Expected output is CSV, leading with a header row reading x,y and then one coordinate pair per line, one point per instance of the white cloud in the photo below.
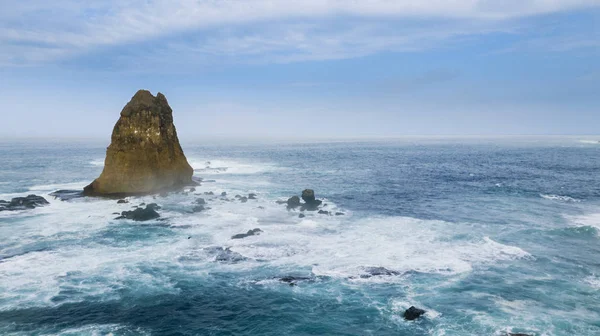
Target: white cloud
x,y
33,31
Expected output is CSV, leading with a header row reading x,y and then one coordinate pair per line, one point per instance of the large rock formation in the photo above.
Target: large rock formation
x,y
144,155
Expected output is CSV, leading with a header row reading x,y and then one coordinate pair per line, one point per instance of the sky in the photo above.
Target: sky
x,y
303,69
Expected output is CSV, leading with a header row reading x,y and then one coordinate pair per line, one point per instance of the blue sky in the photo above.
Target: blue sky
x,y
311,68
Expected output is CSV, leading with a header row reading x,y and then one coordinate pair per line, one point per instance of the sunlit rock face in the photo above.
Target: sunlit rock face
x,y
144,155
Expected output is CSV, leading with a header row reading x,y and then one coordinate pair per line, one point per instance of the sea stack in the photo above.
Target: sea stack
x,y
144,155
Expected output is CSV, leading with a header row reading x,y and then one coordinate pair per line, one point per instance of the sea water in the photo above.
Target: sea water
x,y
489,236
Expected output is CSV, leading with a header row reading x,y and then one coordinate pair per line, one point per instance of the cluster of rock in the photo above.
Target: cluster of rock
x,y
23,203
141,214
144,155
310,204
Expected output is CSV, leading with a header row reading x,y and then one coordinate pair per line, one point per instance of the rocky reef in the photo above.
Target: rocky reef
x,y
144,155
23,203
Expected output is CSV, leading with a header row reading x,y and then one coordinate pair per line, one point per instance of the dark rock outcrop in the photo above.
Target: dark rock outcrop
x,y
310,202
122,201
23,203
323,212
413,313
144,155
141,214
301,215
252,232
293,202
293,280
200,201
251,196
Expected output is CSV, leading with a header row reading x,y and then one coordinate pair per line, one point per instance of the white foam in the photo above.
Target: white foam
x,y
58,186
97,162
559,198
592,220
335,246
227,166
591,142
593,281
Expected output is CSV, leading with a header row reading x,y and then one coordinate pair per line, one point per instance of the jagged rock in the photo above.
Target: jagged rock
x,y
293,202
140,214
413,313
144,155
308,195
310,202
122,201
339,213
251,196
23,203
252,232
209,193
200,201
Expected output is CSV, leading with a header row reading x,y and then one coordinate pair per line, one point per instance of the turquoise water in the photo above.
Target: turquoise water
x,y
489,236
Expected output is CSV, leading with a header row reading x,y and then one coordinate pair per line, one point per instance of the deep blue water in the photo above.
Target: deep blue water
x,y
488,235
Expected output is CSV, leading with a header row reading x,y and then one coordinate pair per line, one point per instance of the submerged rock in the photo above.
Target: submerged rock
x,y
122,201
144,155
252,232
225,254
23,203
243,199
301,215
251,196
141,214
378,271
339,213
67,195
413,313
200,201
323,212
198,208
223,194
293,280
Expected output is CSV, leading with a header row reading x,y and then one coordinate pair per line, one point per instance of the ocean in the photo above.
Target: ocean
x,y
489,236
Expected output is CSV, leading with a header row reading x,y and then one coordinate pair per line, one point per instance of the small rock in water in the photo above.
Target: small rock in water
x,y
67,195
200,201
244,199
189,237
23,203
122,201
209,193
225,254
378,271
413,313
252,232
251,196
223,194
192,190
198,208
339,213
311,203
292,280
164,194
293,202
153,206
142,204
238,196
323,212
140,214
280,202
301,215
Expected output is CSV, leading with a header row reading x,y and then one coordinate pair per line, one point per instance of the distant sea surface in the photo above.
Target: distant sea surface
x,y
489,236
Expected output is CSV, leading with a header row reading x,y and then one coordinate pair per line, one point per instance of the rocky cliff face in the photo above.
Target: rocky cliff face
x,y
144,155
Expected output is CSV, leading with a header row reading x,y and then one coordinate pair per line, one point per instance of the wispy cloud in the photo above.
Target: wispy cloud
x,y
37,31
